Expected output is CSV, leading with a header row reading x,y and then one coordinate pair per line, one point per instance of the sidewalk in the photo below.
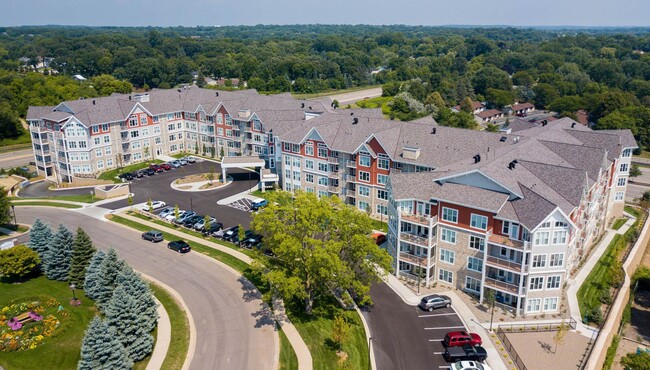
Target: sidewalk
x,y
464,312
299,346
575,283
163,338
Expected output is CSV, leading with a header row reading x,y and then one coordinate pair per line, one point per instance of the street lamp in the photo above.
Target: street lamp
x,y
74,301
13,209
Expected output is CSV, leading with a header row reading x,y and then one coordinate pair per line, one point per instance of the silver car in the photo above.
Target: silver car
x,y
430,302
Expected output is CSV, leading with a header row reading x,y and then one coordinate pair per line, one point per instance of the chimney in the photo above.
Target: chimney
x,y
355,121
216,93
129,97
433,131
512,164
477,158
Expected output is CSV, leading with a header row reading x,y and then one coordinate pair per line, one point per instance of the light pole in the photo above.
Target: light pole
x,y
74,301
419,275
13,209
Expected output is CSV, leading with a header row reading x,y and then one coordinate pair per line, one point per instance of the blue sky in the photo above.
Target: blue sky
x,y
251,12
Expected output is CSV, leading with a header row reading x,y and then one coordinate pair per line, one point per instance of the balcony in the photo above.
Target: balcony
x,y
418,219
502,286
334,175
334,189
505,264
407,256
125,138
414,239
333,160
507,242
351,164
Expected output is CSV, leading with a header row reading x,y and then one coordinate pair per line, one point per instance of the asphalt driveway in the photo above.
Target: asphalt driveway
x,y
405,337
234,329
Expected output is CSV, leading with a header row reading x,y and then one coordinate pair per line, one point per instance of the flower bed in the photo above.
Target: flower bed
x,y
25,325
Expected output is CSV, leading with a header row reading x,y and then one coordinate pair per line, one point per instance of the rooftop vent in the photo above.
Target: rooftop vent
x,y
544,122
512,164
216,93
94,102
179,90
309,108
355,120
516,139
477,158
573,124
142,98
503,138
129,97
352,113
302,105
410,152
433,131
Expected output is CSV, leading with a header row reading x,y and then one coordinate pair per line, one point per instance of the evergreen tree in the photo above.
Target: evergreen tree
x,y
82,253
93,277
132,311
108,271
101,350
59,254
40,236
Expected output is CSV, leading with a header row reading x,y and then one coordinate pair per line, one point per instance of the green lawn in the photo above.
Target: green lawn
x,y
8,145
112,174
644,154
378,102
83,198
61,351
46,204
334,92
180,340
633,211
288,359
618,223
316,331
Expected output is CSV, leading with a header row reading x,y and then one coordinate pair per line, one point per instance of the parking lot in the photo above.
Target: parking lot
x,y
158,187
404,336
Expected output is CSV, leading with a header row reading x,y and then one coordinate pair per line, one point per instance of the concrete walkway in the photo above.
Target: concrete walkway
x,y
575,283
298,344
464,312
163,338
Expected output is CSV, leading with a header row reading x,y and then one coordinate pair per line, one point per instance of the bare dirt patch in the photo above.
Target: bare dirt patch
x,y
199,177
537,350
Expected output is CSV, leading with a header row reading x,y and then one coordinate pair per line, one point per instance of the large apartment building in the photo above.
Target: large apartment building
x,y
511,212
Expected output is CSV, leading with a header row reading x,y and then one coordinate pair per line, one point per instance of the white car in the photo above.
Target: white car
x,y
156,204
172,215
469,365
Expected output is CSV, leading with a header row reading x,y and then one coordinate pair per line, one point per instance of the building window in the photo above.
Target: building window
x,y
97,140
382,179
449,214
364,160
309,164
476,243
536,283
309,178
383,162
295,148
553,282
619,196
133,121
322,167
475,264
621,181
539,260
541,238
556,260
95,129
550,304
98,152
447,256
296,162
533,304
364,176
382,209
322,151
109,162
446,276
100,165
382,194
559,237
108,150
322,181
627,152
364,191
624,167
472,284
364,206
479,222
135,133
287,147
447,235
143,120
309,149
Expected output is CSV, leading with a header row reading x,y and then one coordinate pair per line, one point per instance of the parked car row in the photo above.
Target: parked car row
x,y
156,236
191,220
158,168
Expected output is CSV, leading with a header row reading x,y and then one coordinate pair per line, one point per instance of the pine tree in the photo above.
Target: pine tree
x,y
40,236
93,277
108,271
132,311
101,350
59,255
82,253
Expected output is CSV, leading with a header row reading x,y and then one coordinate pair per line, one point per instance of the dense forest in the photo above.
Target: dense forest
x,y
424,69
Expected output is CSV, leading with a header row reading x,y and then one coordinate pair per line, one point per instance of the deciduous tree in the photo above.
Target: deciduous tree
x,y
5,207
320,244
18,262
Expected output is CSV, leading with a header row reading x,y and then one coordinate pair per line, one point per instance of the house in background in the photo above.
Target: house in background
x,y
477,107
520,109
489,115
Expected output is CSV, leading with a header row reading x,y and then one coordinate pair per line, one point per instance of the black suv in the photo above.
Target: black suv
x,y
153,236
179,246
214,227
148,172
128,176
191,221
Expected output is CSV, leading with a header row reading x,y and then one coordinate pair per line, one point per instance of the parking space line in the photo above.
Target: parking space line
x,y
438,353
444,367
436,340
445,327
438,314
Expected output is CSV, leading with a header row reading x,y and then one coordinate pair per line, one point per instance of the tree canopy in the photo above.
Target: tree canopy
x,y
321,245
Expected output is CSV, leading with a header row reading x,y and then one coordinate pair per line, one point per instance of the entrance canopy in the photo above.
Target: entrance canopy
x,y
247,162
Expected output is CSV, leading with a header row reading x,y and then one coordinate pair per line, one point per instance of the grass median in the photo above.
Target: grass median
x,y
45,204
82,198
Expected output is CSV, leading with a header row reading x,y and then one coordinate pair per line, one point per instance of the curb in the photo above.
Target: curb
x,y
229,180
371,348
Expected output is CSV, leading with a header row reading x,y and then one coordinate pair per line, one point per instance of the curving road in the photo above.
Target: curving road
x,y
234,329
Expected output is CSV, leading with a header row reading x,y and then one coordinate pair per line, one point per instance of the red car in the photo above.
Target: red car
x,y
156,167
461,338
166,167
